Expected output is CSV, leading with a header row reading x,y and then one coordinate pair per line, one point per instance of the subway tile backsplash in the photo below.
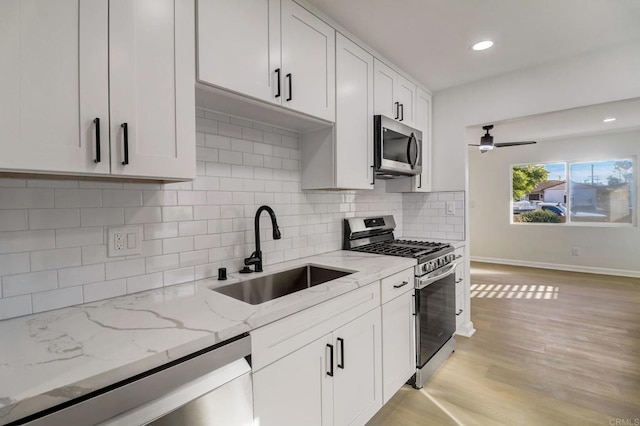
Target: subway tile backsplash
x,y
53,232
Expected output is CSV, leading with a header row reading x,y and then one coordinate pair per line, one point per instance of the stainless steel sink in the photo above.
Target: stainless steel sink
x,y
269,287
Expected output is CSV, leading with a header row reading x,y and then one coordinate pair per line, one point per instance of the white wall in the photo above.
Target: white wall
x,y
596,77
612,249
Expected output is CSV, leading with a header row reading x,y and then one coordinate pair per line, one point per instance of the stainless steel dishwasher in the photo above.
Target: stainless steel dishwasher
x,y
210,387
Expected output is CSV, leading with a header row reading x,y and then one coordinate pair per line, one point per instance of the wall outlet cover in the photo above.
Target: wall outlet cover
x,y
575,251
124,240
451,208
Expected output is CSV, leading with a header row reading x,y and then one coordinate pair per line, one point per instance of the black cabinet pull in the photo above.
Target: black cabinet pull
x,y
290,88
125,130
459,280
459,312
397,104
330,372
96,122
420,184
341,363
401,112
278,73
373,175
401,285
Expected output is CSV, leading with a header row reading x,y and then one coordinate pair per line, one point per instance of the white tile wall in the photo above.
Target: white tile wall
x,y
424,215
52,232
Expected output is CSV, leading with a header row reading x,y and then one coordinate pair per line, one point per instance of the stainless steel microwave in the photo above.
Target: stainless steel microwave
x,y
397,148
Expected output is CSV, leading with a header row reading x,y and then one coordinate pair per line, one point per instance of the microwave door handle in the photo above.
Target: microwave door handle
x,y
412,162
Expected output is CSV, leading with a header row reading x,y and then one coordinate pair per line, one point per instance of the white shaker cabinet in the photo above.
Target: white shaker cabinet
x,y
398,332
421,182
395,96
335,380
74,71
341,157
151,56
272,50
239,47
54,85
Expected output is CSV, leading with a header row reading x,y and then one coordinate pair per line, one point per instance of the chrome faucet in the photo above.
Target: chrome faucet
x,y
256,256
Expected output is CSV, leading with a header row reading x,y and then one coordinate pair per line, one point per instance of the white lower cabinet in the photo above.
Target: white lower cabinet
x,y
295,389
335,380
398,344
338,362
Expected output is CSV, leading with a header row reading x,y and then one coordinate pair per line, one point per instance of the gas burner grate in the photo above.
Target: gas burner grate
x,y
405,248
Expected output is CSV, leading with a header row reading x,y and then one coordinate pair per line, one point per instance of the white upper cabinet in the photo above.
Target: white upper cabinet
x,y
308,62
152,94
395,96
73,71
422,182
239,46
341,157
271,50
54,86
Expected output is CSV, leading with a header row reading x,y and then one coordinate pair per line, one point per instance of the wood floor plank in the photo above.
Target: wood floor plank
x,y
563,351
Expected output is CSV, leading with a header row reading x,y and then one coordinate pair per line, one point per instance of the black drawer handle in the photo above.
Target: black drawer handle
x,y
373,174
459,312
420,184
125,129
401,285
278,73
401,112
290,87
459,280
397,104
341,363
96,122
458,256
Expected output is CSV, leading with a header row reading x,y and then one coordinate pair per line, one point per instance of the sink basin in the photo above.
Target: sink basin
x,y
269,287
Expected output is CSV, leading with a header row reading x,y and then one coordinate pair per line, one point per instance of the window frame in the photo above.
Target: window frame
x,y
635,184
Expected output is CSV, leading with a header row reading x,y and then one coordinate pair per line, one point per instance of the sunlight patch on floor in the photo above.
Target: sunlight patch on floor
x,y
514,291
441,407
487,271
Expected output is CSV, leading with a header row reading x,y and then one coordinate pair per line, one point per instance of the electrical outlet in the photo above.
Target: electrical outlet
x,y
575,251
124,241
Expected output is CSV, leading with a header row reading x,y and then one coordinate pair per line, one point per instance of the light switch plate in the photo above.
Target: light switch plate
x,y
451,208
124,241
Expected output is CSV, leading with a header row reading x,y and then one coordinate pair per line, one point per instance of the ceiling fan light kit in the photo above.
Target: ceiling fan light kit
x,y
486,141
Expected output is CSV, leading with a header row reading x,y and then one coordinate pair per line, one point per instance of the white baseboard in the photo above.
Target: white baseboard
x,y
466,330
558,266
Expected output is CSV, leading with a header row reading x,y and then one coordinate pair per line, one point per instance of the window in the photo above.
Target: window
x,y
599,192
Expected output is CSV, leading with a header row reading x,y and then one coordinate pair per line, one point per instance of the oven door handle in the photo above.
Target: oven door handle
x,y
448,270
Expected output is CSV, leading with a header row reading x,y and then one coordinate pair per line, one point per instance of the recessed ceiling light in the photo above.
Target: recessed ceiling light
x,y
482,45
609,120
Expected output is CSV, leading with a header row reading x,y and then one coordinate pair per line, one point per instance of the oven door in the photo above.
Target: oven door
x,y
435,312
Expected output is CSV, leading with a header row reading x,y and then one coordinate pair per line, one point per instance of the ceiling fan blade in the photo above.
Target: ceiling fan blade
x,y
503,144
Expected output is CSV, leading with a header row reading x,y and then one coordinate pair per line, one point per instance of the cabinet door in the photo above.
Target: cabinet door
x,y
423,122
296,389
152,88
384,91
239,46
53,63
357,390
308,62
405,92
354,124
398,344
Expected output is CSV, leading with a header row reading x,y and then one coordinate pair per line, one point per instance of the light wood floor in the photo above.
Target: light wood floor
x,y
571,356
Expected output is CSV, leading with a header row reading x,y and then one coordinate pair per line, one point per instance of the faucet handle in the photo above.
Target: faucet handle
x,y
253,259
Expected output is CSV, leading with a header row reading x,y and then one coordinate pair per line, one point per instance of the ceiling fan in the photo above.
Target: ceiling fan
x,y
486,141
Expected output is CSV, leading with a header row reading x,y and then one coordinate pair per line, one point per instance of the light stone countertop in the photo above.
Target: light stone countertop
x,y
52,357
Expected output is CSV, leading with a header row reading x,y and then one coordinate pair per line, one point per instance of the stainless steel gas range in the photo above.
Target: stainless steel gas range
x,y
434,286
